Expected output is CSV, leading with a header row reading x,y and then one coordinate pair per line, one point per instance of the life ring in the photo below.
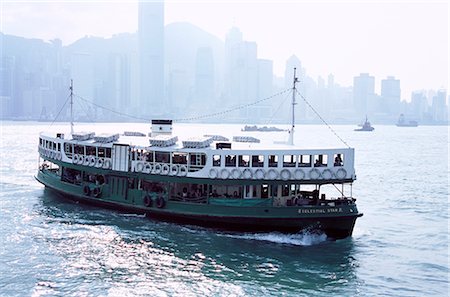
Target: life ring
x,y
314,173
327,174
75,159
183,170
247,173
224,173
157,168
96,192
165,169
174,169
272,174
52,155
58,156
147,168
236,173
148,201
213,173
107,164
259,174
285,174
299,174
341,173
139,167
160,202
92,161
86,160
86,190
99,163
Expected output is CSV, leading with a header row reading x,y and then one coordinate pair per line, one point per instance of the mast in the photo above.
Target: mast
x,y
294,90
71,106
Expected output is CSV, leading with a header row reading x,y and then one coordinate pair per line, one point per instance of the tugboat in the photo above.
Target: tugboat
x,y
402,122
366,126
239,185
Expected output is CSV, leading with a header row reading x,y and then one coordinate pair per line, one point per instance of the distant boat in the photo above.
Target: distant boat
x,y
404,123
366,126
261,129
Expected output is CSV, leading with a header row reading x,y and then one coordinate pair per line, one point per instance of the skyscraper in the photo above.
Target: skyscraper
x,y
151,57
363,92
390,95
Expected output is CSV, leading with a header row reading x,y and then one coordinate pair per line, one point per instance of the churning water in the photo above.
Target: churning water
x,y
50,246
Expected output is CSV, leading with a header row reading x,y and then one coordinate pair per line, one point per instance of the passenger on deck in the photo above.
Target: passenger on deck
x,y
338,161
317,163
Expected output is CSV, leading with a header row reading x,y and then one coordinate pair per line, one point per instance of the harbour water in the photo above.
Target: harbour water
x,y
50,246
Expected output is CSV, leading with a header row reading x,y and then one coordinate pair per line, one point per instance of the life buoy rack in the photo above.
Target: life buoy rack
x,y
99,163
259,174
224,173
341,173
157,168
96,192
92,161
285,174
148,201
160,202
213,173
86,190
299,174
165,169
236,173
182,171
314,173
272,174
327,174
247,173
174,169
139,167
107,164
147,168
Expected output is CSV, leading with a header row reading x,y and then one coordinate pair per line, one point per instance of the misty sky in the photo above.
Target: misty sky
x,y
409,40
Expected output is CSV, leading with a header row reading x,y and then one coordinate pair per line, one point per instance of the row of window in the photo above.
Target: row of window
x,y
194,159
274,160
101,152
49,144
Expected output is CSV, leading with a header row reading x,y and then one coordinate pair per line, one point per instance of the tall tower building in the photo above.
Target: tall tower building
x,y
204,77
390,95
363,92
151,57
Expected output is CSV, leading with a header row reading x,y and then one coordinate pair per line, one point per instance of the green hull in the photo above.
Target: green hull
x,y
337,220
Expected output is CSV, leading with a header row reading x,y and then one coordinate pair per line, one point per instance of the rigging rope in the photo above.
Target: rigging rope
x,y
318,115
231,109
59,112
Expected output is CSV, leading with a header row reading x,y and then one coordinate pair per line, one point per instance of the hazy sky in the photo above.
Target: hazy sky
x,y
406,39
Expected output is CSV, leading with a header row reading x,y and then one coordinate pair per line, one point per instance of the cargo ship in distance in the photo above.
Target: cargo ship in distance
x,y
237,185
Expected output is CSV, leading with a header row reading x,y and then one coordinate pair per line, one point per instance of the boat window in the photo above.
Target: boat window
x,y
153,187
273,161
257,161
179,158
108,152
320,160
162,157
59,147
101,152
216,160
40,141
68,149
304,161
230,161
197,161
78,149
338,159
289,160
90,151
148,156
244,160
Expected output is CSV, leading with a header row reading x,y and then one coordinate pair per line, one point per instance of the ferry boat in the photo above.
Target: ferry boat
x,y
238,184
366,126
255,128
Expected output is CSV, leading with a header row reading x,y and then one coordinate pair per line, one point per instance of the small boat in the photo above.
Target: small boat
x,y
255,128
241,185
366,126
402,122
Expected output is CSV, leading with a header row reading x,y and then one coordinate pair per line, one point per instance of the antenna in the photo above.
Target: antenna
x,y
294,90
71,106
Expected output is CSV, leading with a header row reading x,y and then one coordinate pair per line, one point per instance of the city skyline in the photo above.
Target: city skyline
x,y
411,38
